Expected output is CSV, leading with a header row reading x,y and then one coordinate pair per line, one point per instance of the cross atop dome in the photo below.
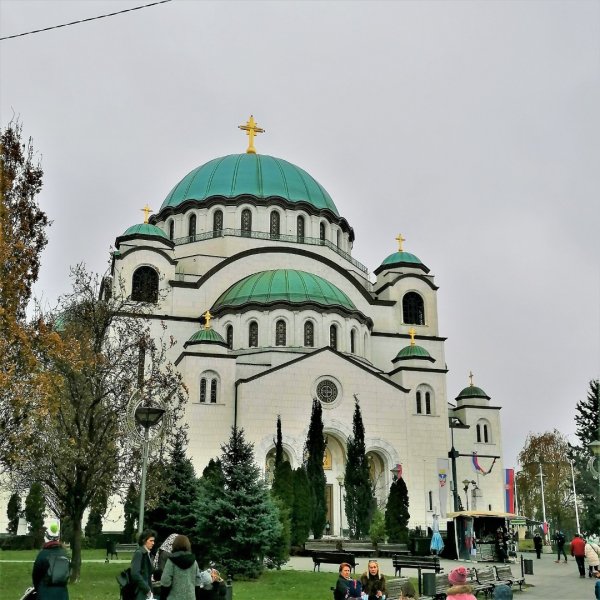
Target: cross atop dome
x,y
400,239
412,331
146,210
251,128
471,378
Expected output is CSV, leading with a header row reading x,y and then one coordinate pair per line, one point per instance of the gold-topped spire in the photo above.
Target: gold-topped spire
x,y
207,317
146,210
412,331
251,128
400,239
471,378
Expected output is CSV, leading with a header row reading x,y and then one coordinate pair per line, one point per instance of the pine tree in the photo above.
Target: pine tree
x,y
13,512
587,430
283,485
396,513
35,507
238,524
175,511
315,449
301,511
132,511
359,496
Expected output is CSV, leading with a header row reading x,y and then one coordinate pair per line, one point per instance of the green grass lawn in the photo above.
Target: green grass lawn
x,y
98,580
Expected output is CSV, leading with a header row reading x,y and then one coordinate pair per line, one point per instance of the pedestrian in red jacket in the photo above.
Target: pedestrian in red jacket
x,y
578,551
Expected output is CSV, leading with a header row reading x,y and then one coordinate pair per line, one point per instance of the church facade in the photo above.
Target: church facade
x,y
248,264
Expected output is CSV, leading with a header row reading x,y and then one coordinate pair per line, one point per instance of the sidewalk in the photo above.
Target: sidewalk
x,y
550,581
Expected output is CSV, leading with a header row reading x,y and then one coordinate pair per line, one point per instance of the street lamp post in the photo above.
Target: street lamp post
x,y
340,480
543,498
146,416
575,496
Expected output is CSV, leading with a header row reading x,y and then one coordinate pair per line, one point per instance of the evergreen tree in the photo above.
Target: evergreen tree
x,y
359,496
283,485
278,444
396,513
278,553
93,526
13,512
315,449
301,511
131,511
587,430
239,524
175,509
35,507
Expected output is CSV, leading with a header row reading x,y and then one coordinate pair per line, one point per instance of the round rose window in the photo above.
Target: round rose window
x,y
327,391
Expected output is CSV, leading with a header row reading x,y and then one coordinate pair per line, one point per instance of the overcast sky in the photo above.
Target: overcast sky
x,y
472,128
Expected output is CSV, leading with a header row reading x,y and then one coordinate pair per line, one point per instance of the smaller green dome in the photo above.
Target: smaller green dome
x,y
410,352
472,391
206,336
145,229
405,257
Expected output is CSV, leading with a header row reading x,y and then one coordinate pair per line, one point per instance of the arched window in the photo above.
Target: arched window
x,y
309,334
322,231
300,228
229,331
217,222
274,224
253,335
280,333
192,227
419,407
478,432
246,222
353,341
209,384
427,403
213,390
413,309
171,229
144,285
484,432
333,337
203,390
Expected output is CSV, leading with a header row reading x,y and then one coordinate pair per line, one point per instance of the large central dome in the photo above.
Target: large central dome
x,y
257,175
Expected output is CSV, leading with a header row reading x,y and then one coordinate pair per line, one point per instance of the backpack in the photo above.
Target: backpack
x,y
59,570
127,586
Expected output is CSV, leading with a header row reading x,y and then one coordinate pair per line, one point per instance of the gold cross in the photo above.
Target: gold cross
x,y
252,129
400,239
146,210
471,377
412,331
207,317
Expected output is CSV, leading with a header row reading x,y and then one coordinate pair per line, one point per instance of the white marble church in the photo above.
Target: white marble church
x,y
259,245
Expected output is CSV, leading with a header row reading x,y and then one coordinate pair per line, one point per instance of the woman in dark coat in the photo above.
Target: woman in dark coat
x,y
537,544
346,586
141,565
52,548
373,582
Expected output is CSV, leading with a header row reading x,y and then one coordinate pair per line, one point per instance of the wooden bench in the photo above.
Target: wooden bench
x,y
333,558
504,575
400,562
126,548
359,548
401,549
321,546
485,580
394,586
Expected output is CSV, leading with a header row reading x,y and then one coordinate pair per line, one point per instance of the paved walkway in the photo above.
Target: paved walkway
x,y
550,581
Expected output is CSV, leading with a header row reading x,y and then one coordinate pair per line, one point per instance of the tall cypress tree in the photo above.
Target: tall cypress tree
x,y
131,512
396,513
586,419
240,523
359,496
301,512
315,449
35,507
283,485
93,526
13,512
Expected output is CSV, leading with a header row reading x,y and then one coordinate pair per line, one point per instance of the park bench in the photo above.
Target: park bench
x,y
332,558
485,580
393,549
126,548
504,575
420,563
359,547
321,546
394,586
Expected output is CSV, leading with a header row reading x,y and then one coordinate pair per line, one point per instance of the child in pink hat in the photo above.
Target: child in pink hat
x,y
459,589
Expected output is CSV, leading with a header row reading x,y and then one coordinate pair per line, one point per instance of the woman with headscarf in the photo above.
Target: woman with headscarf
x,y
163,553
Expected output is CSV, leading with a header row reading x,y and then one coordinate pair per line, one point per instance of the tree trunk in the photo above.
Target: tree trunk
x,y
76,549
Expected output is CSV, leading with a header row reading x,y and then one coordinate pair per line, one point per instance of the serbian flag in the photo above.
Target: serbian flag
x,y
509,486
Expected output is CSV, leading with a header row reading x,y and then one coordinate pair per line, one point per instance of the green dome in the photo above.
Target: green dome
x,y
413,352
257,175
207,336
145,229
472,391
283,285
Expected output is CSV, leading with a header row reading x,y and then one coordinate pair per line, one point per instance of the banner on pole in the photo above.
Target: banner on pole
x,y
443,483
509,486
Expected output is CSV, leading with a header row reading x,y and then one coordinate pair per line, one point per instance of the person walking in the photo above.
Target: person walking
x,y
591,555
537,544
181,576
141,565
578,551
560,540
51,568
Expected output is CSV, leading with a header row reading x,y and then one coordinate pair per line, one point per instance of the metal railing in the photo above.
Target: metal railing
x,y
275,237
